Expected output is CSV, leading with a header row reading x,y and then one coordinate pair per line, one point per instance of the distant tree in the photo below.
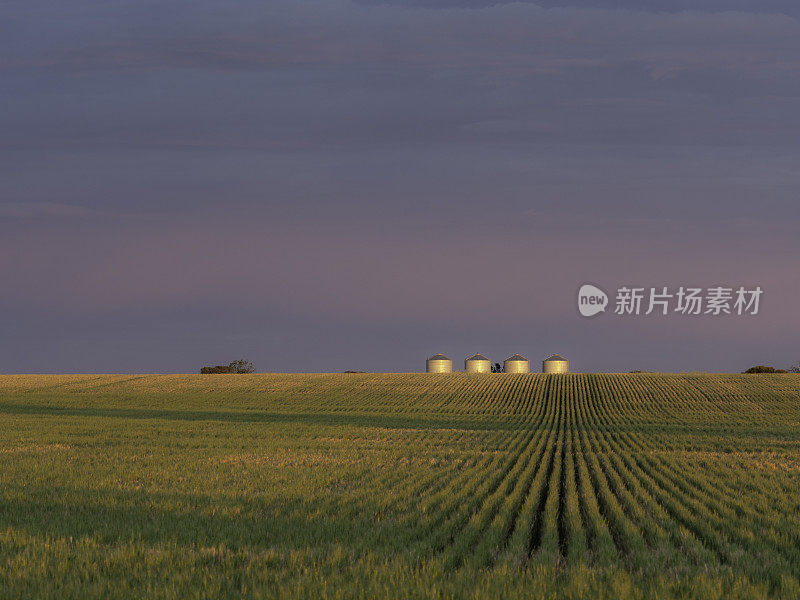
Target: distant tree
x,y
237,366
219,369
764,369
795,369
242,366
497,368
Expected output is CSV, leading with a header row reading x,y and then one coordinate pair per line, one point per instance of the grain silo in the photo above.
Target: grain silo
x,y
516,364
439,363
555,364
477,363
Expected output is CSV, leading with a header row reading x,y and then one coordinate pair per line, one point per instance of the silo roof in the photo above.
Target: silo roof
x,y
516,357
556,357
438,357
477,357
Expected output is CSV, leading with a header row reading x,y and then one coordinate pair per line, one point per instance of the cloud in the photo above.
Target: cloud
x,y
656,6
45,210
499,269
282,76
512,36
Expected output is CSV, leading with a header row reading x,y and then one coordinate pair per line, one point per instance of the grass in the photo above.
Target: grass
x,y
400,486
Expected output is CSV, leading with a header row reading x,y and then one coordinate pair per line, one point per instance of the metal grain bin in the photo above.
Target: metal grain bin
x,y
555,364
477,363
439,363
516,364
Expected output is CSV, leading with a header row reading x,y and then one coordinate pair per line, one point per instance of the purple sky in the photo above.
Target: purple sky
x,y
331,185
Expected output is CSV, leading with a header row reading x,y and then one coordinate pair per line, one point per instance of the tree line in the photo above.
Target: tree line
x,y
237,366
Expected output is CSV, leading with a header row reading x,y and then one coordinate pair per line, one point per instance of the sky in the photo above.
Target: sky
x,y
329,185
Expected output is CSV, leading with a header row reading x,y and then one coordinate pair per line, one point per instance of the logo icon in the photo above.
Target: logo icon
x,y
591,300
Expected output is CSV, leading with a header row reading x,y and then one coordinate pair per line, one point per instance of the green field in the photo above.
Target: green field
x,y
401,486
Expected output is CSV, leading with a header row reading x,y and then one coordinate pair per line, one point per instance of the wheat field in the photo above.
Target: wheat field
x,y
400,486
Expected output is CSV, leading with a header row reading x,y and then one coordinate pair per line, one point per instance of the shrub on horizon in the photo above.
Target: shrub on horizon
x,y
764,369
